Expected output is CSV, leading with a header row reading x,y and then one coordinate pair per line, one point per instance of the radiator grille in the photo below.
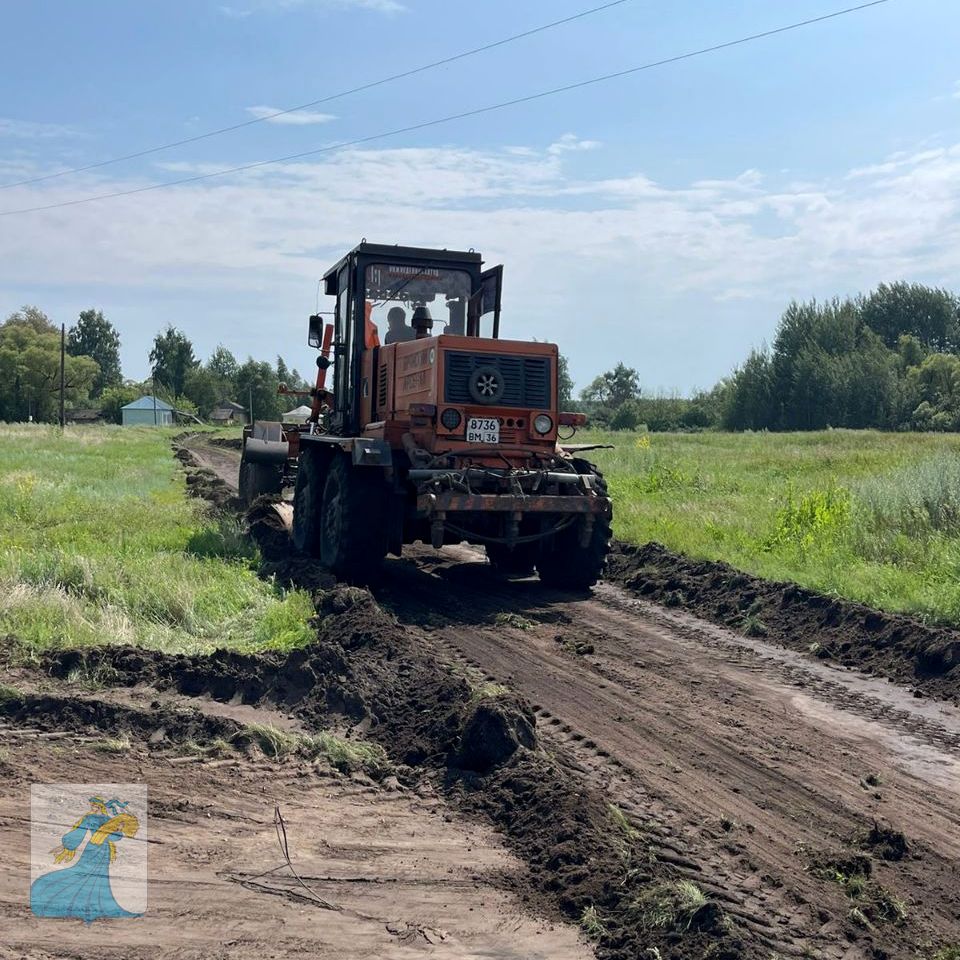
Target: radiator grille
x,y
382,387
527,379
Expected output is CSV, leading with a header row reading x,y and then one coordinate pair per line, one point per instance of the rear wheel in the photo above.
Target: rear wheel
x,y
353,525
307,503
518,562
564,561
257,479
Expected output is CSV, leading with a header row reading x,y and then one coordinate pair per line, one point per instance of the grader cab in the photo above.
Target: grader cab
x,y
433,429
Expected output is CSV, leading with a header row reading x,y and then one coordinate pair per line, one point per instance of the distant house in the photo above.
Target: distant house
x,y
147,411
227,412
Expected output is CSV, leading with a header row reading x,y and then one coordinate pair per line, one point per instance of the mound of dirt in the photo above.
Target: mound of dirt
x,y
494,728
206,485
839,631
231,443
53,713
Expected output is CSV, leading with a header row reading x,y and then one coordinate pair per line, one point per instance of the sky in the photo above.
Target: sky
x,y
664,219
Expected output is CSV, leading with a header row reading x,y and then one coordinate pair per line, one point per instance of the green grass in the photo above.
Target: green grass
x,y
870,516
100,544
347,756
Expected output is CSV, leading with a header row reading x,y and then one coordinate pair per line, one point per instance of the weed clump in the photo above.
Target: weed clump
x,y
347,756
680,906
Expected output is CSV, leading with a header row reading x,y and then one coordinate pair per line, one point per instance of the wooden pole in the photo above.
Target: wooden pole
x,y
63,364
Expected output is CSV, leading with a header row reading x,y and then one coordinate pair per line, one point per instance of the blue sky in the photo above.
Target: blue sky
x,y
665,219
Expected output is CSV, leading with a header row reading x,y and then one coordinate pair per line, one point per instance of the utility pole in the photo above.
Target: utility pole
x,y
250,399
63,364
153,391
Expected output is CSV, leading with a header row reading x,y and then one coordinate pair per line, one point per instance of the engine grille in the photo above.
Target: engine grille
x,y
527,379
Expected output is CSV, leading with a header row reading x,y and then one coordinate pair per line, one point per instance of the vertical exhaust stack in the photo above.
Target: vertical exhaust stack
x,y
422,322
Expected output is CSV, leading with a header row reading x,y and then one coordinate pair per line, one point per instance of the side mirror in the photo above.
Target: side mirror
x,y
315,331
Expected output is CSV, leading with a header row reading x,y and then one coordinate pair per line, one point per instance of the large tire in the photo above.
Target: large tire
x,y
518,562
308,502
258,479
354,521
564,562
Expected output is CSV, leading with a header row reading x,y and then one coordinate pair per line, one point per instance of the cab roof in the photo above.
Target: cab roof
x,y
396,252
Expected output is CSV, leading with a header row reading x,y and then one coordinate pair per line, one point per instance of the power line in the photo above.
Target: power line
x,y
455,116
327,99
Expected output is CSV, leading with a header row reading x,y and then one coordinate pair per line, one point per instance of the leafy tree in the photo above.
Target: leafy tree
x,y
564,383
626,417
30,369
172,360
749,403
203,389
113,399
94,336
927,313
258,380
222,364
613,388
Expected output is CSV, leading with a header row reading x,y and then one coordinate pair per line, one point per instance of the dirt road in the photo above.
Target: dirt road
x,y
783,787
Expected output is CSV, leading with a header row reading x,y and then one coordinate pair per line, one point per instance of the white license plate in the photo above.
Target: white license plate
x,y
483,430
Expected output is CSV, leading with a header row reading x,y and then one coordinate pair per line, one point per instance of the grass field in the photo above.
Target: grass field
x,y
99,544
870,516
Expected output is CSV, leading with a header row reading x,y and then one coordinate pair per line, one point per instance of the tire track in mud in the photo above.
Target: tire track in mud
x,y
709,740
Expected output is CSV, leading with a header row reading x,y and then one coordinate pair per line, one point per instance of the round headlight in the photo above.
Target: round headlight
x,y
542,423
450,418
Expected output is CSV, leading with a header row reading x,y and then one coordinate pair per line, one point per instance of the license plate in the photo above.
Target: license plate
x,y
483,430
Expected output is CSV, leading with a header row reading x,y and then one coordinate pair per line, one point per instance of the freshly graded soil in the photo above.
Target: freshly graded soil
x,y
926,658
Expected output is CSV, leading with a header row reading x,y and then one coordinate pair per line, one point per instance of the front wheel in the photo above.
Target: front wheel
x,y
354,520
565,562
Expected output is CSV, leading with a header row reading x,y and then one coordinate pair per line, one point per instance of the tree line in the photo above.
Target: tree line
x,y
889,360
93,379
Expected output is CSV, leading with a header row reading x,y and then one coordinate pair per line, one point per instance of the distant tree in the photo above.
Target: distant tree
x,y
203,390
222,364
613,388
172,360
749,402
257,379
564,383
30,369
929,314
113,399
626,417
94,336
32,317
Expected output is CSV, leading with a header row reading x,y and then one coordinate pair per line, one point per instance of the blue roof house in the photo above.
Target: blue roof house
x,y
147,412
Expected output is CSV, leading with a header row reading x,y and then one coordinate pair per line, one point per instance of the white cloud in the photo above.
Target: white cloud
x,y
570,142
299,118
677,281
32,130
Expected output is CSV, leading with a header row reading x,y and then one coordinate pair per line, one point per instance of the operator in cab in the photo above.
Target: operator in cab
x,y
397,329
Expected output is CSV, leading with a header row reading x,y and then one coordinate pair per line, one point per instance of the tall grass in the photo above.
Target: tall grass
x,y
99,544
870,516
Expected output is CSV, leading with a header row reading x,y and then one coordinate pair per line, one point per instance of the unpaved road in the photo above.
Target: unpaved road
x,y
407,878
753,766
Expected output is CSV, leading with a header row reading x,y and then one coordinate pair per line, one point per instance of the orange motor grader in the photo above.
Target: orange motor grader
x,y
433,429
